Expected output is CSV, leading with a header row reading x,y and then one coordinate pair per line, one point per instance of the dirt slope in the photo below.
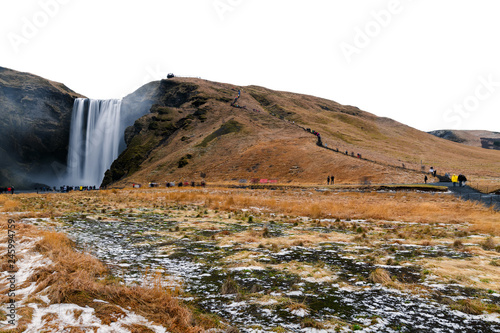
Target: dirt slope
x,y
193,129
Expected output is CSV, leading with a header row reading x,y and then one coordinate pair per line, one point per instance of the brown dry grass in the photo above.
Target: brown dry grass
x,y
78,278
486,185
475,272
198,209
401,206
411,207
472,306
381,276
135,328
8,205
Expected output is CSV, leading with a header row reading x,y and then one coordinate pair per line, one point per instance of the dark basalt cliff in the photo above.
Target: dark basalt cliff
x,y
35,117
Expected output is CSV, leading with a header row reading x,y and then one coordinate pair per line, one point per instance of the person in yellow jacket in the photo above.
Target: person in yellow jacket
x,y
454,179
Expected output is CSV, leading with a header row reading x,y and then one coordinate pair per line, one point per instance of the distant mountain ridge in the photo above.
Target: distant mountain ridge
x,y
483,139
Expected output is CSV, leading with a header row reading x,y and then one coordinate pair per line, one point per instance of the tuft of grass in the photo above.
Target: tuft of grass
x,y
469,306
294,306
315,211
309,322
136,328
26,315
11,205
457,244
108,313
208,320
229,286
381,276
489,244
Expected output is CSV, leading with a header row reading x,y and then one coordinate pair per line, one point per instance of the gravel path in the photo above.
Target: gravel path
x,y
468,193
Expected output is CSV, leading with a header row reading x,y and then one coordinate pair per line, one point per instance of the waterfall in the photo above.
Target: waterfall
x,y
95,138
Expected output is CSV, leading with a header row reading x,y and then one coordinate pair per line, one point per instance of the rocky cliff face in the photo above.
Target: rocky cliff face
x,y
136,105
35,116
150,115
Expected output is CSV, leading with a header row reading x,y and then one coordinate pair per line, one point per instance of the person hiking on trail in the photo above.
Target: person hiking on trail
x,y
425,179
328,180
454,180
332,180
434,173
461,180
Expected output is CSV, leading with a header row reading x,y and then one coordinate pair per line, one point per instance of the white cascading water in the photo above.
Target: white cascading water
x,y
95,138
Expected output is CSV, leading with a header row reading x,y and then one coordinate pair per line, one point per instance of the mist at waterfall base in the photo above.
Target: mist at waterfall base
x,y
96,140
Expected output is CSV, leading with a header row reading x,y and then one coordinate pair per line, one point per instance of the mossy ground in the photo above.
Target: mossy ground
x,y
236,256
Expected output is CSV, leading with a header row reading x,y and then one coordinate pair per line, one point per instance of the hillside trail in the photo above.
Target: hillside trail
x,y
323,145
319,142
464,192
468,193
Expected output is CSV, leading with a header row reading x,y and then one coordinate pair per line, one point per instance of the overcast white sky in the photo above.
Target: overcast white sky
x,y
429,64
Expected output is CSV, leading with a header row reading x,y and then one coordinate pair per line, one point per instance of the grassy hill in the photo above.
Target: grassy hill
x,y
192,129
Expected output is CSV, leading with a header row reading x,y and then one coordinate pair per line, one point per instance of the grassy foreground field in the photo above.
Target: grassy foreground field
x,y
188,260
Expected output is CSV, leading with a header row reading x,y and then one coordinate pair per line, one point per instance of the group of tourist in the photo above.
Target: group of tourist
x,y
235,102
317,135
44,189
185,183
9,189
174,184
460,180
358,155
65,188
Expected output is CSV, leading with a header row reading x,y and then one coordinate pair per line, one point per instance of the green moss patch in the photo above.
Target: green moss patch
x,y
232,126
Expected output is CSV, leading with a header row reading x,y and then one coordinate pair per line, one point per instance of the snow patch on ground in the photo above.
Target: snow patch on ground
x,y
66,315
61,316
247,268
